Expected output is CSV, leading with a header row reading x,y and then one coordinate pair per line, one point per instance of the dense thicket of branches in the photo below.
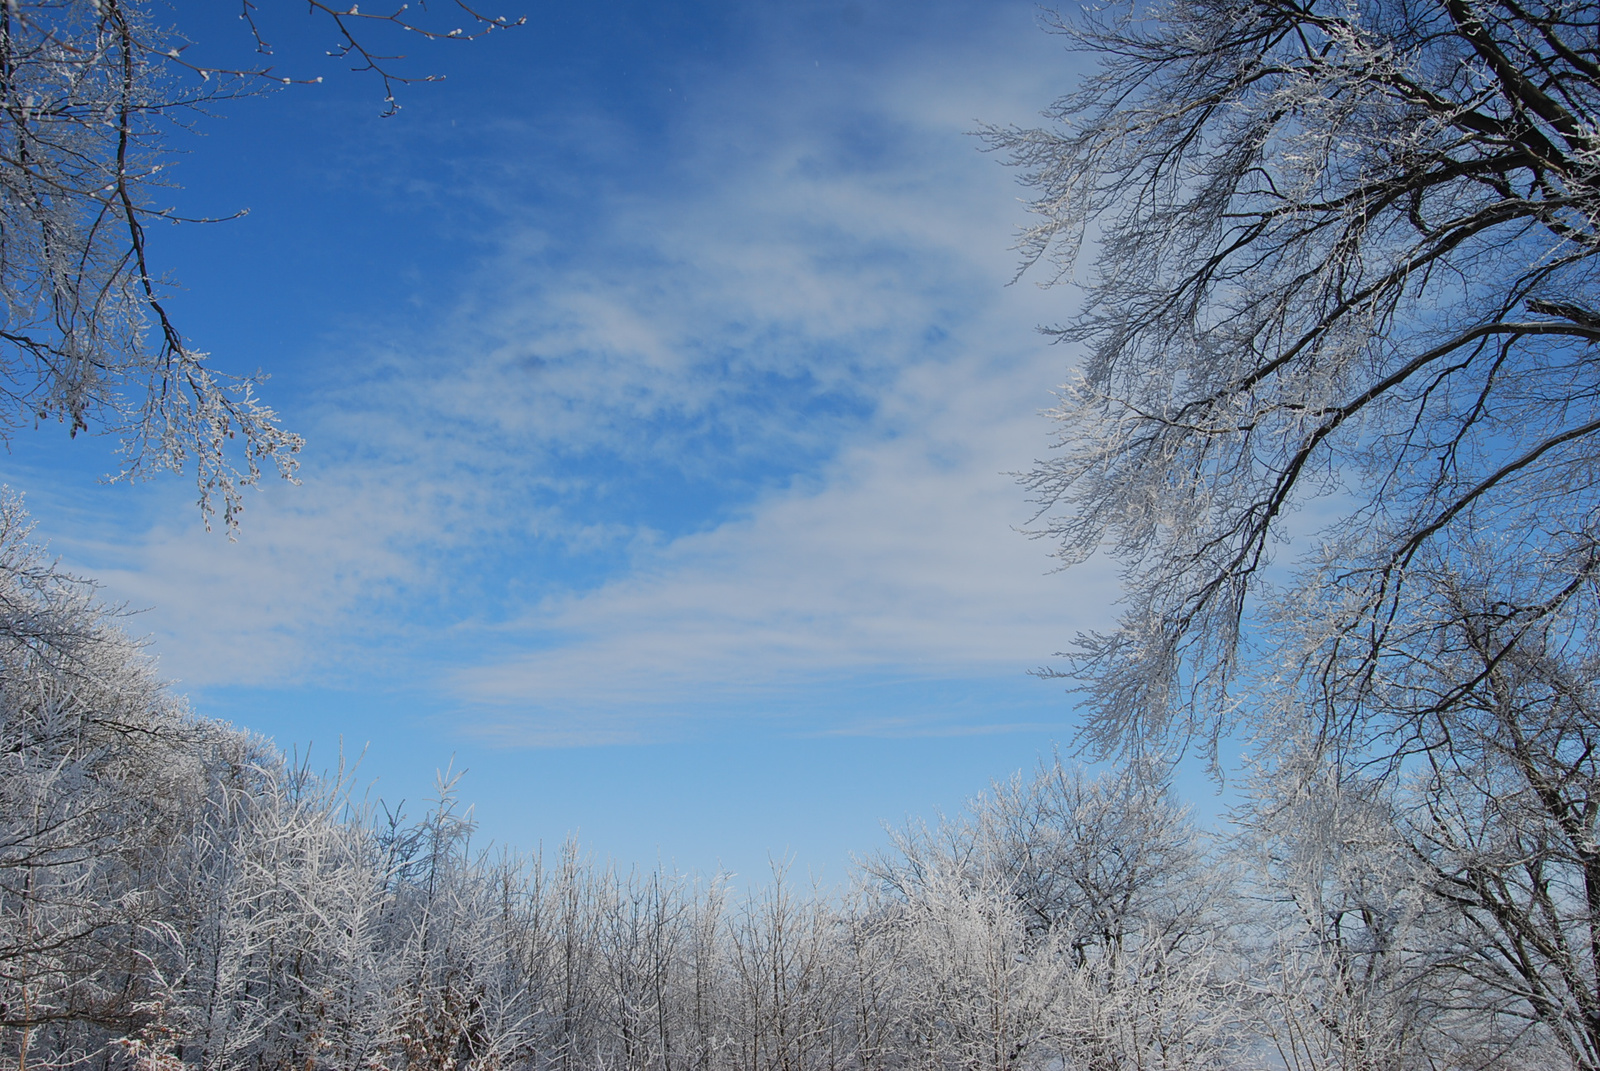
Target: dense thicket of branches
x,y
1345,256
173,894
1345,262
91,92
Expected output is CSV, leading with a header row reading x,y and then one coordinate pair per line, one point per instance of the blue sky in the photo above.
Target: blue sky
x,y
660,379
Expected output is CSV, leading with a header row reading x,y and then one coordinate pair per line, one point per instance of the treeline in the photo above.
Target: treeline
x,y
174,894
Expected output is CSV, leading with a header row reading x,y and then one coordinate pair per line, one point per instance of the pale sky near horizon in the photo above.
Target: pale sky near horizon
x,y
661,380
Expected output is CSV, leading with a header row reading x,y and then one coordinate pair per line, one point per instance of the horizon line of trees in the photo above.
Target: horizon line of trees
x,y
175,894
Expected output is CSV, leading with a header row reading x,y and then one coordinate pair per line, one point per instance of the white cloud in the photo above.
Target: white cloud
x,y
821,321
905,560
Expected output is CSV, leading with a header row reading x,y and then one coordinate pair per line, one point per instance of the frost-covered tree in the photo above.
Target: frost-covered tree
x,y
1344,294
173,892
91,94
1343,264
1070,919
1491,700
99,769
1341,941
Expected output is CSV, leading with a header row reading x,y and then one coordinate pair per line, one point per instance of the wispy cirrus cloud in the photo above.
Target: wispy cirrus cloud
x,y
741,429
